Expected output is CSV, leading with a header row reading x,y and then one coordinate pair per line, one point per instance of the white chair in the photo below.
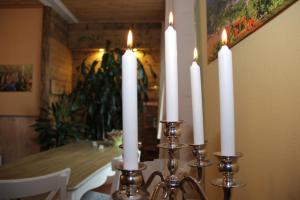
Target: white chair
x,y
50,183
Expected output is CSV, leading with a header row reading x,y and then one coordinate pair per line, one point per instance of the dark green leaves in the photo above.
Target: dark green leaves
x,y
94,107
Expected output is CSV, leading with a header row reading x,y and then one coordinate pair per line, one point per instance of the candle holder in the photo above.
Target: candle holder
x,y
171,185
131,184
200,162
228,167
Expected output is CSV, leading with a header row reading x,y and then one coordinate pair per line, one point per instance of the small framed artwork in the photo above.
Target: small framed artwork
x,y
16,78
240,18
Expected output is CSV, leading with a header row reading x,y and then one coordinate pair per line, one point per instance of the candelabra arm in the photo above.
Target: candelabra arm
x,y
151,177
195,184
201,176
162,185
227,193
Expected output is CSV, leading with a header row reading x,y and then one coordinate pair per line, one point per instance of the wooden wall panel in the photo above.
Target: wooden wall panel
x,y
17,138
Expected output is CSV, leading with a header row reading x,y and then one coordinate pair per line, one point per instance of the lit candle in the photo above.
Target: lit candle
x,y
197,101
129,103
226,99
171,72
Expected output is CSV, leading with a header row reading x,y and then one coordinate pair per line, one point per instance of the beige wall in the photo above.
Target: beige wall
x,y
20,43
20,40
267,109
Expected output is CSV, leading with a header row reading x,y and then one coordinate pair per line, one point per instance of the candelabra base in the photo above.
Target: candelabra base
x,y
228,167
172,189
122,195
200,162
172,186
131,185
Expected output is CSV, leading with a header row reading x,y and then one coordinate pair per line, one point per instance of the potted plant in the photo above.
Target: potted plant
x,y
96,100
56,125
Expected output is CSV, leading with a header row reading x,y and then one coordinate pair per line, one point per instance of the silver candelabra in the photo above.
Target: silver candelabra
x,y
171,186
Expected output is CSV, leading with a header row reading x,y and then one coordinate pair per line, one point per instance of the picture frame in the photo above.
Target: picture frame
x,y
240,18
16,78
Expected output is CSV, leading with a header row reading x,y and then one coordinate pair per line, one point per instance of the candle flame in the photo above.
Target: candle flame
x,y
129,39
224,37
195,54
171,18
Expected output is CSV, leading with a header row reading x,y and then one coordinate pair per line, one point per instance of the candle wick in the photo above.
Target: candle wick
x,y
129,46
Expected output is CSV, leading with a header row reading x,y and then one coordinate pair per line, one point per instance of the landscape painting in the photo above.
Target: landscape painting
x,y
15,78
239,18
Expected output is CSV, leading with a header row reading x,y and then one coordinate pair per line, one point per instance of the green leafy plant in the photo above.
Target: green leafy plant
x,y
99,93
57,126
94,107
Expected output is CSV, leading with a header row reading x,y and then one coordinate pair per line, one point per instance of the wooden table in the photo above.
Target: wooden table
x,y
89,166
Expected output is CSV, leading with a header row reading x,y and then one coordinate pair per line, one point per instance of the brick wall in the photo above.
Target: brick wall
x,y
86,39
145,35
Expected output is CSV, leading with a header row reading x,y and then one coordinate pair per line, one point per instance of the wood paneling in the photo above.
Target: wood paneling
x,y
117,10
17,138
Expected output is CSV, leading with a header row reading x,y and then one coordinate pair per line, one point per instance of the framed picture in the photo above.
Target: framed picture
x,y
16,78
239,17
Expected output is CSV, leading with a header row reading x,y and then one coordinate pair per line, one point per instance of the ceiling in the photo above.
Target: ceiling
x,y
116,10
129,11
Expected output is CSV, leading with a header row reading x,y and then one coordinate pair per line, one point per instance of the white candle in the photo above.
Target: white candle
x,y
226,99
197,101
129,103
171,72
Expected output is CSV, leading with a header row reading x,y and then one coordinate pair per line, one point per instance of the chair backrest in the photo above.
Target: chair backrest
x,y
49,184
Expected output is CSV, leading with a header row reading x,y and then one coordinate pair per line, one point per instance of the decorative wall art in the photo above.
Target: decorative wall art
x,y
240,18
16,78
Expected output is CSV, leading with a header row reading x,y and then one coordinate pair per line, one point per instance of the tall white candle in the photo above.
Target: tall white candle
x,y
197,101
129,103
171,72
226,99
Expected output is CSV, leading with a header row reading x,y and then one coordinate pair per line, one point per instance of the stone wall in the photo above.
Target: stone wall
x,y
85,40
57,60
